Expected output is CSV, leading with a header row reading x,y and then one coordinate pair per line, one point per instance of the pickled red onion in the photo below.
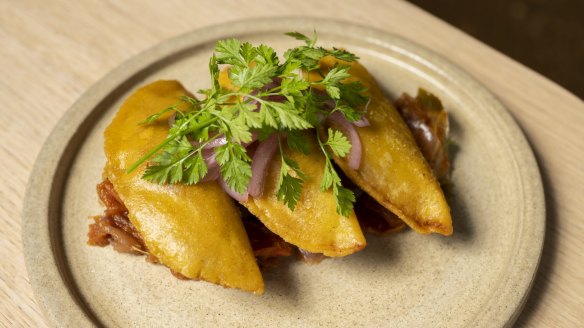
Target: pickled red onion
x,y
259,163
235,195
213,170
363,122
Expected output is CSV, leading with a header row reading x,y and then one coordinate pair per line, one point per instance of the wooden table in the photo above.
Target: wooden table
x,y
52,51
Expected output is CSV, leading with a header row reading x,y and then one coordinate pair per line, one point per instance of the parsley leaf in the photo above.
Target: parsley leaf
x,y
332,80
176,160
299,36
227,52
249,78
353,93
235,166
290,185
248,115
248,52
287,115
297,140
344,198
195,169
330,177
336,74
294,86
350,113
266,55
342,55
339,144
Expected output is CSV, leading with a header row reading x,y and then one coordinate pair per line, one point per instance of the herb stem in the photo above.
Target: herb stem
x,y
194,151
324,151
246,95
169,139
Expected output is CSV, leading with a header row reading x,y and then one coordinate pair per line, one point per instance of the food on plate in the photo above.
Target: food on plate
x,y
428,121
218,185
314,225
392,170
195,230
376,219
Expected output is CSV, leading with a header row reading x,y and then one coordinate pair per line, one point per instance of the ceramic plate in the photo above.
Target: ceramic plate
x,y
479,276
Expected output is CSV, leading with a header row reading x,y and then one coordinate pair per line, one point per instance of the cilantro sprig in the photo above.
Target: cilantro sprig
x,y
268,96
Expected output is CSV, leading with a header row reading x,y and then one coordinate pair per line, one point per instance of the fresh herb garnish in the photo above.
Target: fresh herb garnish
x,y
340,146
257,104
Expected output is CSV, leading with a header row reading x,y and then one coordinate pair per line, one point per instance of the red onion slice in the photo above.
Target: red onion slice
x,y
363,122
259,163
219,141
213,170
238,197
213,173
350,131
275,83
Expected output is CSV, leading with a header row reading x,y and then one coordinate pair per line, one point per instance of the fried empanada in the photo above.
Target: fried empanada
x,y
393,170
194,230
314,225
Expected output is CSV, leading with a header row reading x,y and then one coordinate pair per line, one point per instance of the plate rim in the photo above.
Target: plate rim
x,y
49,174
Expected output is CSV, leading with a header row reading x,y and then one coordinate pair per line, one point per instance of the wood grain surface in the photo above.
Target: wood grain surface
x,y
52,51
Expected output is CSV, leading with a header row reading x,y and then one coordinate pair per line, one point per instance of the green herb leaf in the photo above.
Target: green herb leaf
x,y
333,91
267,55
299,36
227,52
338,143
290,186
341,54
289,190
214,71
345,200
294,86
235,166
353,93
336,74
298,141
330,177
287,115
249,116
195,169
152,118
171,165
247,52
268,116
350,113
252,77
289,67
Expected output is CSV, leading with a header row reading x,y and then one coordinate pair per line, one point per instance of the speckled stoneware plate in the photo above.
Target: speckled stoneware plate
x,y
480,276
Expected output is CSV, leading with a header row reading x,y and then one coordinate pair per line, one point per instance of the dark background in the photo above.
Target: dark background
x,y
545,35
